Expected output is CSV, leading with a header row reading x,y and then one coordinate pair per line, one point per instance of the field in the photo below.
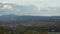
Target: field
x,y
53,32
28,32
30,26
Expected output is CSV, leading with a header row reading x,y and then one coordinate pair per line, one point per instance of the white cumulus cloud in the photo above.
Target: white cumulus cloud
x,y
7,7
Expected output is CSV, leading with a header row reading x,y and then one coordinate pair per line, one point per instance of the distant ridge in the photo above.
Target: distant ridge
x,y
15,17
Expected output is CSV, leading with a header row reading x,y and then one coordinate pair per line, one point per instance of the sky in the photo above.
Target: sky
x,y
31,7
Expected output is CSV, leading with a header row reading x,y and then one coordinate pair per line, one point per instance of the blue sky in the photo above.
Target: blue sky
x,y
31,7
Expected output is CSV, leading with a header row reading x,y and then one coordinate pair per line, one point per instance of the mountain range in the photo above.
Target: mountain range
x,y
23,17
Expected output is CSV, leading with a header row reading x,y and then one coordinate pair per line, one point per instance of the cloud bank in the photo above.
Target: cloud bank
x,y
30,7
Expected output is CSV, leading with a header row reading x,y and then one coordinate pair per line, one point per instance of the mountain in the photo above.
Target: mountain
x,y
41,21
23,17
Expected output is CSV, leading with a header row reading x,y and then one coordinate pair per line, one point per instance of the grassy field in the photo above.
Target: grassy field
x,y
22,32
26,32
53,32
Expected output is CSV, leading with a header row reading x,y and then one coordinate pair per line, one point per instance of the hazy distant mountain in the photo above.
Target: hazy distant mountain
x,y
27,20
15,17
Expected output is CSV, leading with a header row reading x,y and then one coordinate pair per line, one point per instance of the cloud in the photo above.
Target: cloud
x,y
42,6
33,2
1,14
7,7
33,10
23,2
